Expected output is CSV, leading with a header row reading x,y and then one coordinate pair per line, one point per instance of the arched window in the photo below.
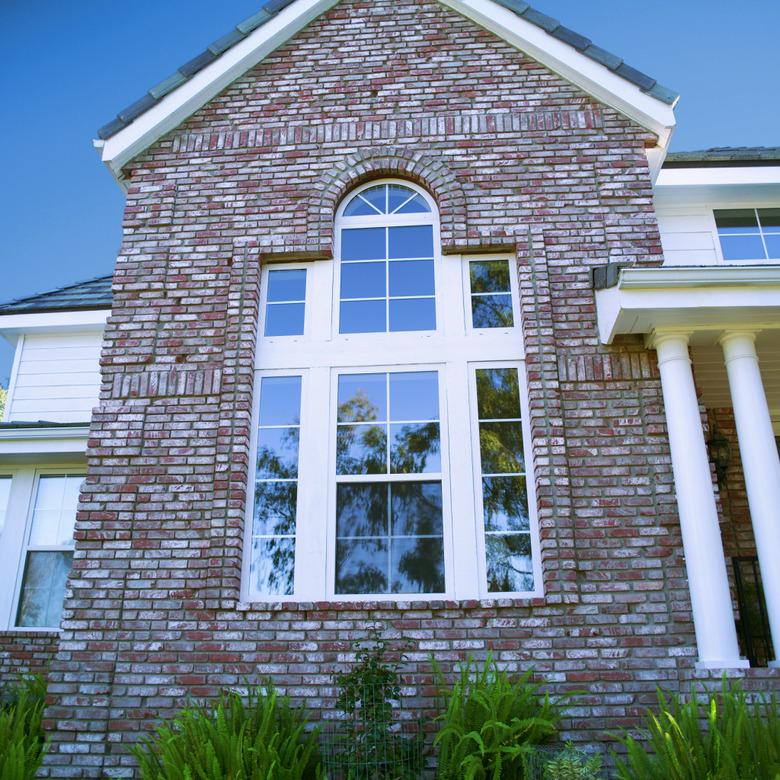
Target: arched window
x,y
390,439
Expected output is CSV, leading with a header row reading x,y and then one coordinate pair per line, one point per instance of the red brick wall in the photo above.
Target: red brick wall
x,y
25,652
517,159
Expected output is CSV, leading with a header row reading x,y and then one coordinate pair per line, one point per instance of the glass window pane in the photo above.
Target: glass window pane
x,y
417,205
769,219
498,394
363,280
501,447
735,221
505,503
414,448
54,511
358,207
509,567
412,277
363,317
377,197
417,565
397,196
280,400
50,492
412,314
5,492
492,311
361,449
275,508
363,244
411,241
284,319
277,453
489,276
361,566
742,247
773,246
43,589
361,510
414,395
272,568
362,397
287,285
416,509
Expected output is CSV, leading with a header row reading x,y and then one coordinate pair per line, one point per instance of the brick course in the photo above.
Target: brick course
x,y
518,160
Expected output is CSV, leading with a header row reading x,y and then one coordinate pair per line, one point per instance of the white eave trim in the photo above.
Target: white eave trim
x,y
40,322
719,177
691,299
182,102
43,440
594,78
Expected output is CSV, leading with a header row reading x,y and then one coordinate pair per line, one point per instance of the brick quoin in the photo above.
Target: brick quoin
x,y
517,159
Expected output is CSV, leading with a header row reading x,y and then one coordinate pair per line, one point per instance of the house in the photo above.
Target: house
x,y
416,323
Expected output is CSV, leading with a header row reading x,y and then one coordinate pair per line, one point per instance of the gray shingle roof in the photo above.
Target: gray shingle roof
x,y
92,294
552,26
725,156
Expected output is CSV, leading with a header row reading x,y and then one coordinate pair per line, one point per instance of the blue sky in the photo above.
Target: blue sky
x,y
68,67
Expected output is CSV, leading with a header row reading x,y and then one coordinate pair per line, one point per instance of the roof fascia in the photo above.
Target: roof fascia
x,y
44,440
37,322
589,75
182,102
709,176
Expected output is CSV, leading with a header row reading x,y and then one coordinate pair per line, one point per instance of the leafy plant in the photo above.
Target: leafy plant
x,y
262,739
371,746
572,764
728,737
491,722
22,743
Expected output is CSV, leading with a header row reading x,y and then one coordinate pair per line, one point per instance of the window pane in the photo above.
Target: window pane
x,y
412,314
498,394
272,568
492,311
414,395
735,221
43,589
363,244
417,565
411,277
411,241
769,219
489,276
54,511
416,509
361,510
505,504
361,449
275,508
377,197
277,453
773,246
417,205
363,280
287,285
363,317
361,566
280,400
414,448
5,492
362,397
742,247
397,196
284,319
509,567
501,447
359,208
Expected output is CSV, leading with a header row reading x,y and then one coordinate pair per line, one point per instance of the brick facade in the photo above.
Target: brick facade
x,y
518,160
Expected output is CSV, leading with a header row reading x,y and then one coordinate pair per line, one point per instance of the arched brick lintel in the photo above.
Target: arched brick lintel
x,y
360,167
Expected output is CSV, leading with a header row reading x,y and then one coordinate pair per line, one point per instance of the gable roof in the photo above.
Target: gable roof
x,y
574,57
92,294
522,9
725,157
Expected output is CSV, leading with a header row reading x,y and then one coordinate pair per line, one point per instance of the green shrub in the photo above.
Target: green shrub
x,y
22,744
572,764
491,723
726,738
262,739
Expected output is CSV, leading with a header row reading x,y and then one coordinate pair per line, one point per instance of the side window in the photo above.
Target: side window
x,y
491,294
749,234
285,302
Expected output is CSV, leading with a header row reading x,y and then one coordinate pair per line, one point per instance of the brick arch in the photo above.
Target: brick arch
x,y
362,166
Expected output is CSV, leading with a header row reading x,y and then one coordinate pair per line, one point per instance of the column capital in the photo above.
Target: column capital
x,y
656,337
744,334
670,345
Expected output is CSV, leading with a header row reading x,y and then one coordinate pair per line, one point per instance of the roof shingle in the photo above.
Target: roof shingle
x,y
92,294
724,156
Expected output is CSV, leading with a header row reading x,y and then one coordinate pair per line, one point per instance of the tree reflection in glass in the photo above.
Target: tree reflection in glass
x,y
491,294
43,589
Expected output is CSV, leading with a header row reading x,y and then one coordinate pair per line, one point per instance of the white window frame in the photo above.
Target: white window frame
x,y
753,206
454,350
14,541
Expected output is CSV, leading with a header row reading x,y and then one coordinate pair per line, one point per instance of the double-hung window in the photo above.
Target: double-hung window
x,y
391,447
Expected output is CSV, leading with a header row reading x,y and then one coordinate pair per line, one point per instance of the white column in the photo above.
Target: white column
x,y
760,463
713,616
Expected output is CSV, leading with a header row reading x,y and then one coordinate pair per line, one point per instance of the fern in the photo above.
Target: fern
x,y
22,744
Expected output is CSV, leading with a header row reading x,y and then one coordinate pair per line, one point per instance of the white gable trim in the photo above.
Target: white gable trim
x,y
590,76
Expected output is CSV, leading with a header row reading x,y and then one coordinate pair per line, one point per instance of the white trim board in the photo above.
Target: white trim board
x,y
561,58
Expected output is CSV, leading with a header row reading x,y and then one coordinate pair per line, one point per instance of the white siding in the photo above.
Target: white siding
x,y
56,377
688,235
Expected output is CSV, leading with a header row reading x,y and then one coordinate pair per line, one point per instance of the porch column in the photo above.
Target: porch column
x,y
760,463
713,616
